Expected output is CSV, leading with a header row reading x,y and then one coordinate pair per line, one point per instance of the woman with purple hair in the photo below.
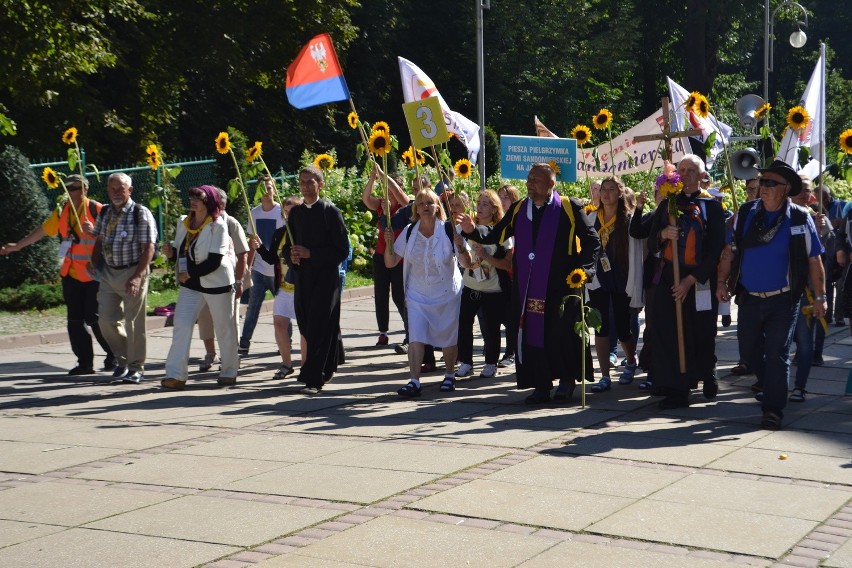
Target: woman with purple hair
x,y
204,264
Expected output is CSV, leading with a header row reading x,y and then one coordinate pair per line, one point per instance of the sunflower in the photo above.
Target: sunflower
x,y
463,168
669,189
223,143
798,117
601,120
692,99
554,165
408,159
254,152
324,162
50,178
379,143
846,141
381,125
153,156
70,136
762,111
702,107
353,120
576,278
582,133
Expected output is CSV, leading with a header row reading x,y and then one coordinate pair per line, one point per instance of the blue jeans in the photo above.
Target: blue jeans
x,y
764,330
805,334
259,285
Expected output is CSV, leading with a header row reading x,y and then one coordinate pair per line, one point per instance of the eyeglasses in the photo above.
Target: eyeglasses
x,y
771,182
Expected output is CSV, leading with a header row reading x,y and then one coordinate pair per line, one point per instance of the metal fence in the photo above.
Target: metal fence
x,y
194,172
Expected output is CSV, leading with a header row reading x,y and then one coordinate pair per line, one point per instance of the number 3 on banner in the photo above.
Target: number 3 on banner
x,y
425,122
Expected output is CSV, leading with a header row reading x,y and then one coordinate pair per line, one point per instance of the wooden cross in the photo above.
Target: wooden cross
x,y
667,135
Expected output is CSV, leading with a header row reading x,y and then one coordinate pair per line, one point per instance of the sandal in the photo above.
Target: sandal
x,y
283,371
602,385
646,385
449,384
798,395
410,390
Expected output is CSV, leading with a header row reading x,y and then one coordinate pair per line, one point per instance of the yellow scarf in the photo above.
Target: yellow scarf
x,y
607,227
191,233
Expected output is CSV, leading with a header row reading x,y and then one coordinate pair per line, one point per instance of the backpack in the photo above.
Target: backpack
x,y
448,228
137,220
692,223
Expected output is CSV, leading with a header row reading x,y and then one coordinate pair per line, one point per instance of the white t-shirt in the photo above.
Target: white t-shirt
x,y
266,223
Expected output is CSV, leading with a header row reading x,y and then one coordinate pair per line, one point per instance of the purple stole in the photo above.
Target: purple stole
x,y
533,267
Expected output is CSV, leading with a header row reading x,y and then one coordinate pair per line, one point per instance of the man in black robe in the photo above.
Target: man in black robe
x,y
321,244
552,239
699,234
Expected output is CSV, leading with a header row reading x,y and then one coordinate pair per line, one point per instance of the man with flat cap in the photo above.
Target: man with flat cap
x,y
79,289
775,252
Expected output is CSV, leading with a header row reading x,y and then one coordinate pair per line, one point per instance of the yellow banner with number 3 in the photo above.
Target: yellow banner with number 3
x,y
425,122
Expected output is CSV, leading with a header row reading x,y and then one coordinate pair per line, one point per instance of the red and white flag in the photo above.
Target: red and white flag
x,y
416,85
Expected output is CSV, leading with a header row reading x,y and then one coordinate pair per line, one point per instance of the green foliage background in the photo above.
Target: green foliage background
x,y
24,208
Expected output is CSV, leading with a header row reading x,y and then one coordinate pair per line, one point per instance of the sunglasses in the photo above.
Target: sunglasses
x,y
74,187
772,182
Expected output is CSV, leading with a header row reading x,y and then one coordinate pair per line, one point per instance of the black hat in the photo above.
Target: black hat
x,y
790,175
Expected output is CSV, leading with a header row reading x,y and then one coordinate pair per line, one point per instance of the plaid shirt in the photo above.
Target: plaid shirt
x,y
122,237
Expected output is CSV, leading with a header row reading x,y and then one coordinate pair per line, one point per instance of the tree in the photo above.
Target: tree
x,y
25,207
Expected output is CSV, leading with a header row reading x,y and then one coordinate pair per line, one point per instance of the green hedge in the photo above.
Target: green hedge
x,y
31,297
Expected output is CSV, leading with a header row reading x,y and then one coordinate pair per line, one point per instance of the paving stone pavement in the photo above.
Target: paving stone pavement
x,y
96,474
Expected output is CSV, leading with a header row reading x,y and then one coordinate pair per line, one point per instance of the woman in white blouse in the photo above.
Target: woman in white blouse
x,y
430,249
204,263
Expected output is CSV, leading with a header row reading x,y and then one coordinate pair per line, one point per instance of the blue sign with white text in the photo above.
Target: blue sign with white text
x,y
518,153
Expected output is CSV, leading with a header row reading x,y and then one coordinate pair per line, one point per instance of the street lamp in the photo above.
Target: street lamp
x,y
797,38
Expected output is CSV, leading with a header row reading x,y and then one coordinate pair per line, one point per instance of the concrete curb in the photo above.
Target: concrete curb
x,y
153,322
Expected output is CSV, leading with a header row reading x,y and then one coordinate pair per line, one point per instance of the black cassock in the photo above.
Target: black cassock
x,y
319,228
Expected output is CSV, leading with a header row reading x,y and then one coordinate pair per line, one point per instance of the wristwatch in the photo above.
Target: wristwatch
x,y
819,298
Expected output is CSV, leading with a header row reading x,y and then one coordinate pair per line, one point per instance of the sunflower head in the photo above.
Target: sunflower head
x,y
582,133
353,120
602,120
153,157
760,113
324,162
554,165
408,159
223,143
702,107
379,142
846,141
463,168
50,177
70,136
254,152
576,278
381,126
798,117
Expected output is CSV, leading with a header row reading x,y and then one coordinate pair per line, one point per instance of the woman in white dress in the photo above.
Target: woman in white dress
x,y
431,248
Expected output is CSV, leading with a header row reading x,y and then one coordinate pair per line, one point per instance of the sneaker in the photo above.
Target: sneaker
x,y
242,351
401,348
488,371
109,364
798,395
310,390
79,371
613,360
818,362
207,363
627,374
506,362
602,385
383,340
135,378
465,370
120,372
